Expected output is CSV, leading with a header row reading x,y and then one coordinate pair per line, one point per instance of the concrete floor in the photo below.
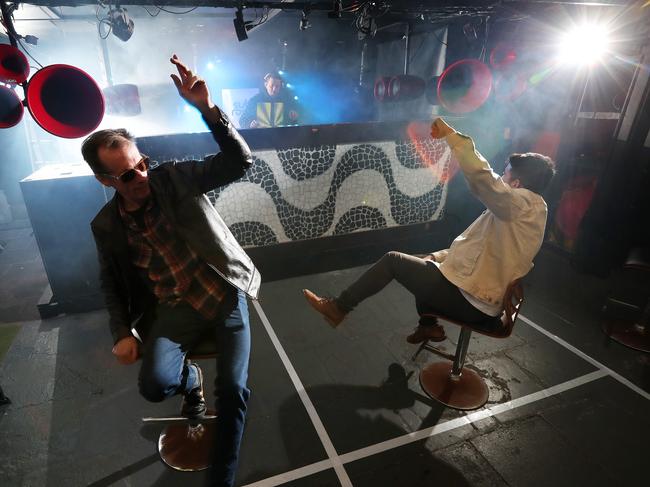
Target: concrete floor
x,y
567,406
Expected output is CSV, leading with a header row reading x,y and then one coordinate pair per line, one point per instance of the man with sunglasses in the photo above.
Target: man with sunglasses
x,y
171,269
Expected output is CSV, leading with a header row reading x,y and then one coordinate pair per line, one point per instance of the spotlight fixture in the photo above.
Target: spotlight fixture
x,y
304,20
121,24
241,27
585,44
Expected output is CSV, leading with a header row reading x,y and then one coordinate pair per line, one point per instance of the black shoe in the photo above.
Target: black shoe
x,y
193,402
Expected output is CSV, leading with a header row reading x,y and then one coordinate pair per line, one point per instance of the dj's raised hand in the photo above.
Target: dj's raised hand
x,y
191,87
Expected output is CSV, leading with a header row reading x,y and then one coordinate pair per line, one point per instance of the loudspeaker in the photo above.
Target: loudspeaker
x,y
61,201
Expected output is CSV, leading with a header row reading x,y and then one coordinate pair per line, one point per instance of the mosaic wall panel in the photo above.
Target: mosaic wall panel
x,y
311,192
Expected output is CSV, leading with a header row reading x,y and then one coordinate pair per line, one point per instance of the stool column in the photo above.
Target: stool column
x,y
461,352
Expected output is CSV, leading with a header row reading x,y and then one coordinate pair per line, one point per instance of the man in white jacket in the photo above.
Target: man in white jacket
x,y
467,281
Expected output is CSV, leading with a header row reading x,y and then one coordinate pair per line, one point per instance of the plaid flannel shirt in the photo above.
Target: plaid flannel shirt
x,y
173,271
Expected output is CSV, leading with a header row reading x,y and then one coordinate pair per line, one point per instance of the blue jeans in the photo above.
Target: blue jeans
x,y
163,374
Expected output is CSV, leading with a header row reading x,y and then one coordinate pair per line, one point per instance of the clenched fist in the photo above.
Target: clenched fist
x,y
440,129
126,350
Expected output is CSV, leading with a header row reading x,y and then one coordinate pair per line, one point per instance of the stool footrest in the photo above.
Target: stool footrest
x,y
437,351
180,419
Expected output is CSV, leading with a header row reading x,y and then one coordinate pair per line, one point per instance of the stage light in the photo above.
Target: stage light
x,y
121,24
280,72
289,85
241,27
295,98
210,66
585,44
304,20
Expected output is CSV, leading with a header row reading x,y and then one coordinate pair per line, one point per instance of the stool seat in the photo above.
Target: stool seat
x,y
493,326
205,348
450,382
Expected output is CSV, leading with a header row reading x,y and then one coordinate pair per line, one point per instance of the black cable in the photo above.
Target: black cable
x,y
150,14
483,54
99,28
12,33
263,18
103,20
27,52
176,13
439,39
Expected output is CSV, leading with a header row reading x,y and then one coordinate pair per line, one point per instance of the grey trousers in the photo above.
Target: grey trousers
x,y
432,291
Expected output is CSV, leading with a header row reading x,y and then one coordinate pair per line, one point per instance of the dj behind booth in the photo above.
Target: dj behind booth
x,y
273,106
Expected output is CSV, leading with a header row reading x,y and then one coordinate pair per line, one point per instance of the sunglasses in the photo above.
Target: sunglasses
x,y
129,174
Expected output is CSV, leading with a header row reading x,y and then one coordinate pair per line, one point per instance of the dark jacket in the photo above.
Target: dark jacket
x,y
178,188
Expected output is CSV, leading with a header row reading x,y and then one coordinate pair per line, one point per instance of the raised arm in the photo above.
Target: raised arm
x,y
484,183
235,157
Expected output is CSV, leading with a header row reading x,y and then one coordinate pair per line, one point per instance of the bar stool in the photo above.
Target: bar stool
x,y
631,332
450,382
186,444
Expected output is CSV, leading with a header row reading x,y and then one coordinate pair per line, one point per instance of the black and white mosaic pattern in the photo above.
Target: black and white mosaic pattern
x,y
302,163
360,218
310,192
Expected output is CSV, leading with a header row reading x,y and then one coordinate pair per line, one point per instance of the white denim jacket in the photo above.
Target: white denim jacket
x,y
500,245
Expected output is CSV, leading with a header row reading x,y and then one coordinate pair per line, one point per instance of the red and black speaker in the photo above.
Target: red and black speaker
x,y
63,99
464,86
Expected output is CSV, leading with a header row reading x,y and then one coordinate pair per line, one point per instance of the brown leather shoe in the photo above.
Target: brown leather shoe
x,y
325,306
435,333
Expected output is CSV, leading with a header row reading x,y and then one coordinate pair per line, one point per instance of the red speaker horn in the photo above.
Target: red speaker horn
x,y
381,90
464,86
502,56
11,108
65,101
14,67
405,87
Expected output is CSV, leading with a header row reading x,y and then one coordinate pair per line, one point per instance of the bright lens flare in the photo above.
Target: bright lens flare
x,y
584,45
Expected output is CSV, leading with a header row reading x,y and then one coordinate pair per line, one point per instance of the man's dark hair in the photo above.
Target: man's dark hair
x,y
108,139
535,171
273,75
